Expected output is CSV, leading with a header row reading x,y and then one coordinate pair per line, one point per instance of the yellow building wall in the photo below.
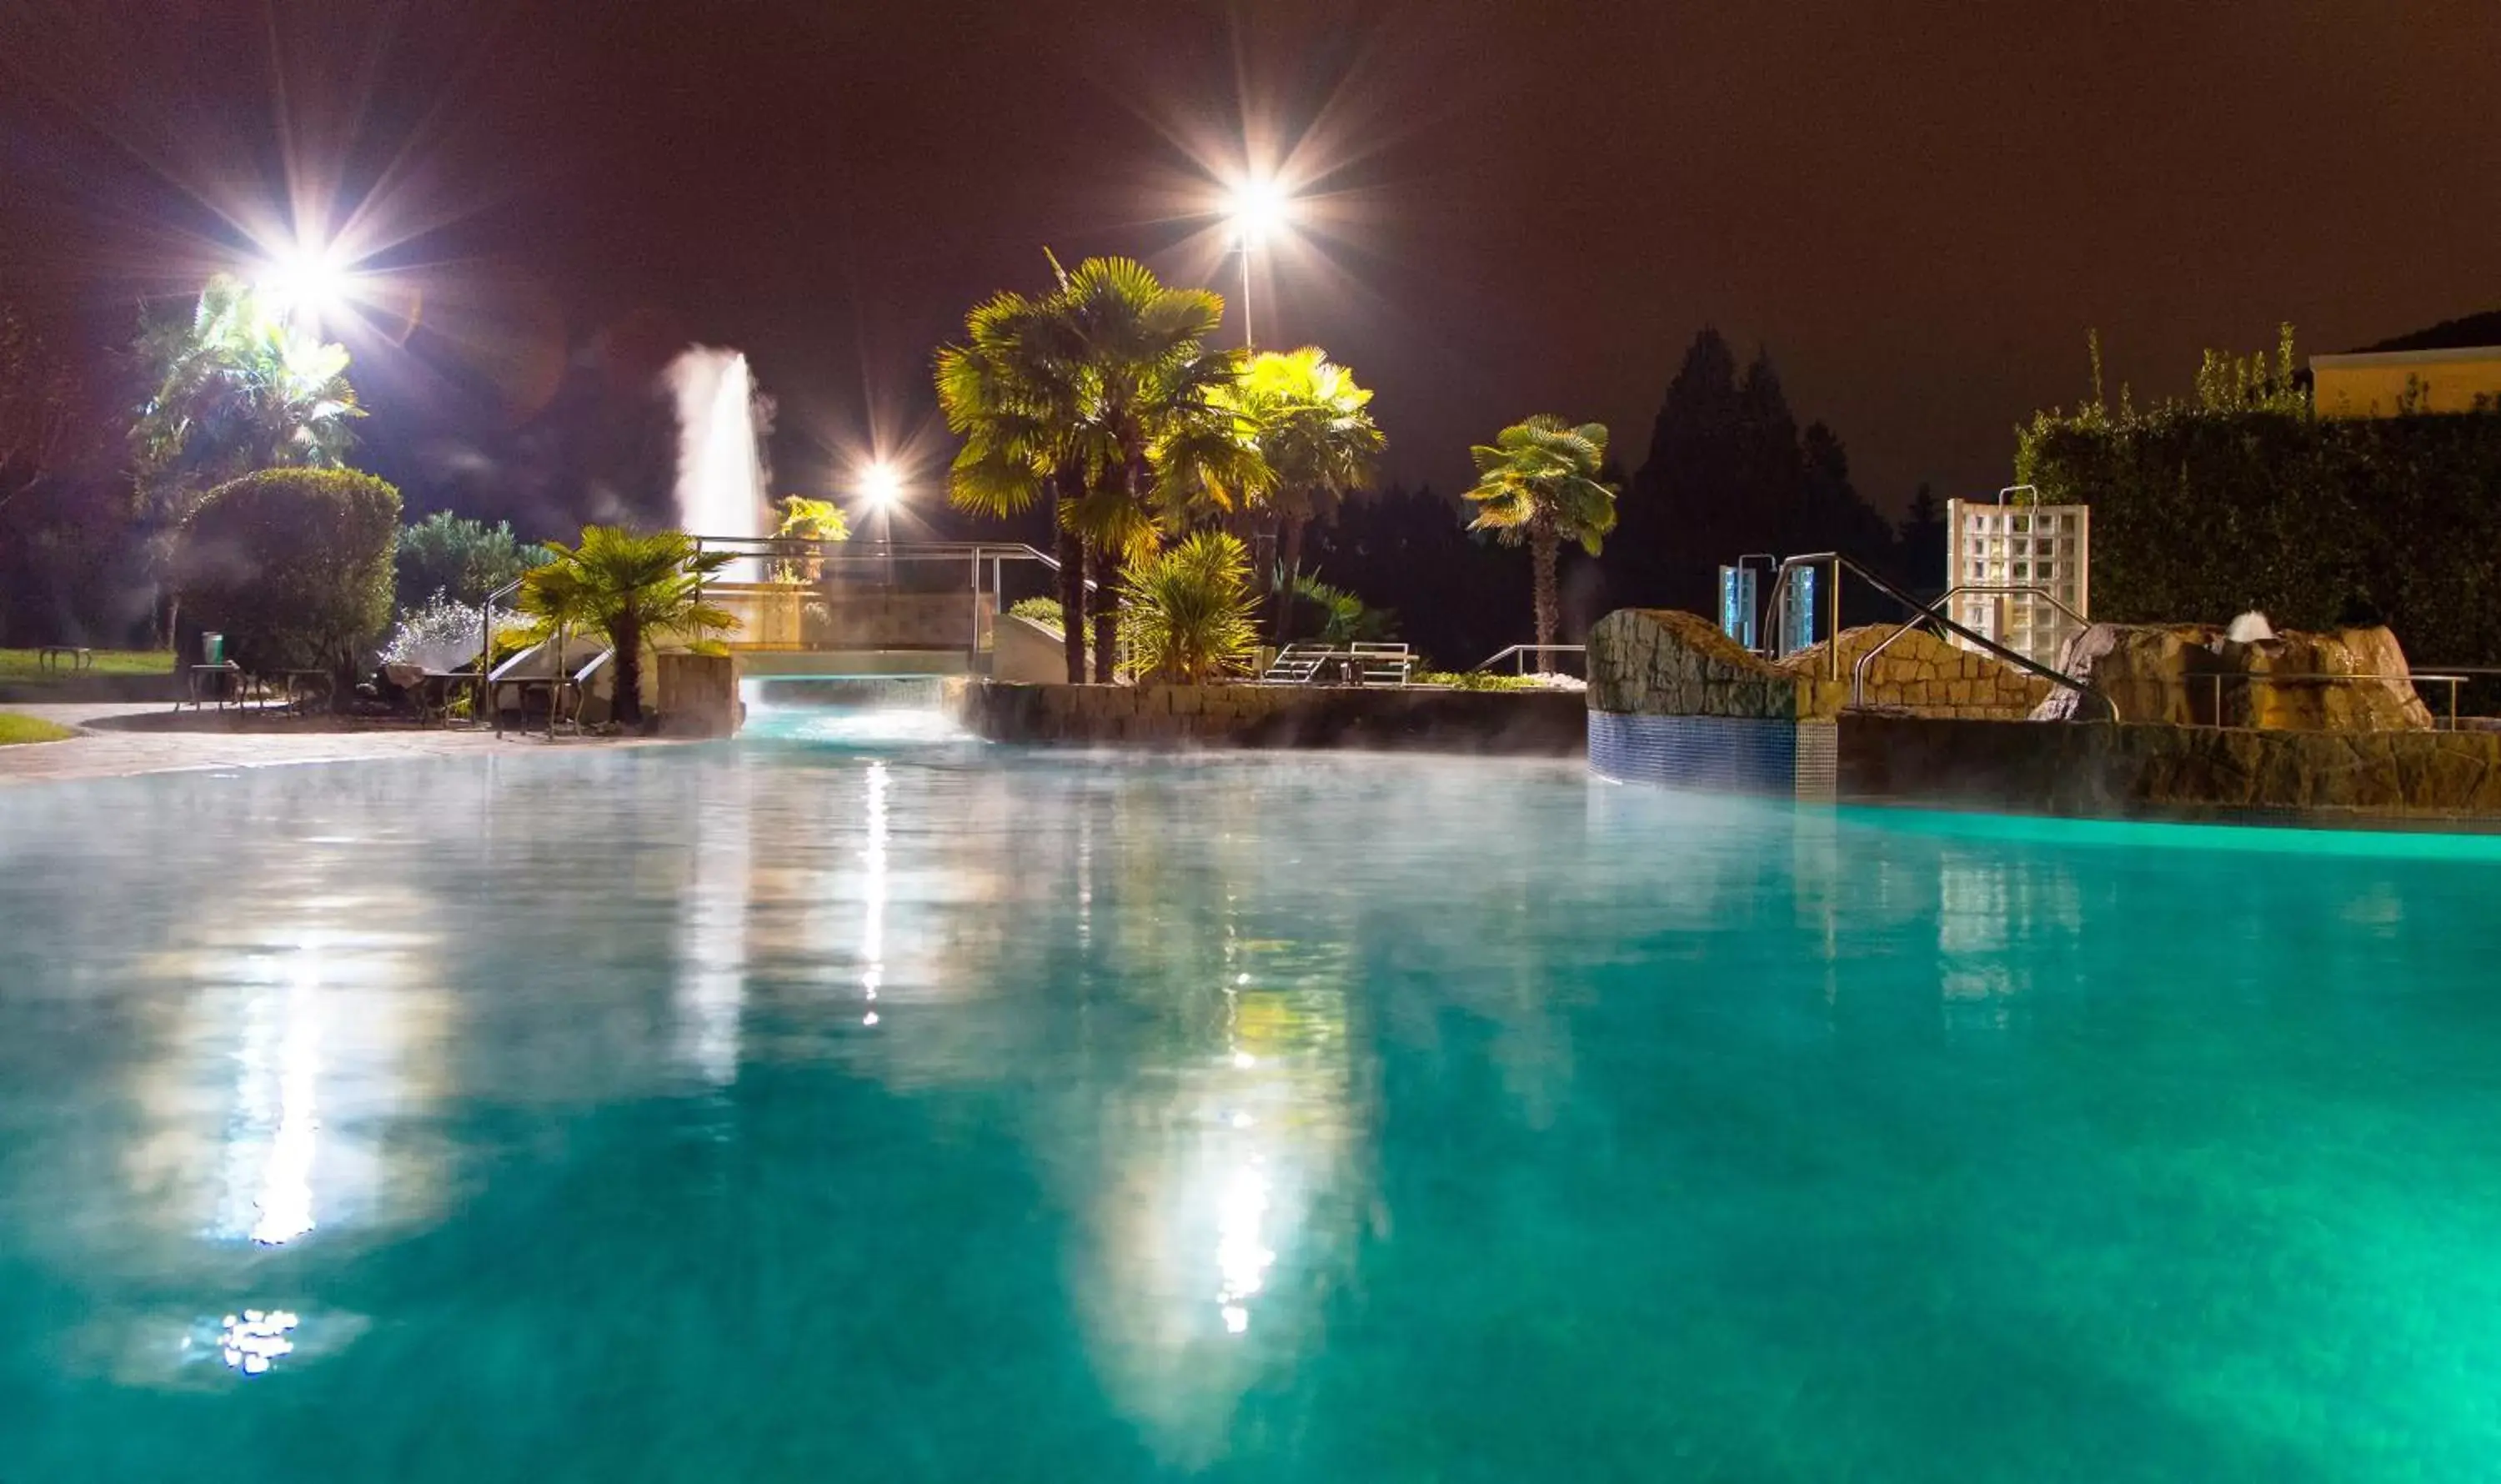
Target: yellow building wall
x,y
2377,390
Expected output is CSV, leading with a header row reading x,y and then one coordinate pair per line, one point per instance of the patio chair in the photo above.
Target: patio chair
x,y
1299,664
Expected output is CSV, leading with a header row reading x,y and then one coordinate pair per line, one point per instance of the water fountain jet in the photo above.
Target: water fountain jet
x,y
722,423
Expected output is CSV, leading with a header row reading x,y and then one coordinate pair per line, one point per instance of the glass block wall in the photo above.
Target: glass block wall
x,y
2046,549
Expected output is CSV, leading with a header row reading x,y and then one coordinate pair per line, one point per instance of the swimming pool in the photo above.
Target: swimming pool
x,y
825,1107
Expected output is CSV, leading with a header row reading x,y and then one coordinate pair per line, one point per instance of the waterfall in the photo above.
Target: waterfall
x,y
854,711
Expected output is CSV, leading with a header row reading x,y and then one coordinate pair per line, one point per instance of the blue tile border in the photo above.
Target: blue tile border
x,y
1788,760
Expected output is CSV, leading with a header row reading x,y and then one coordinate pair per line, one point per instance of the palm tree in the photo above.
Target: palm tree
x,y
1188,610
1312,425
1155,432
1017,397
1539,483
626,584
236,389
806,525
1104,398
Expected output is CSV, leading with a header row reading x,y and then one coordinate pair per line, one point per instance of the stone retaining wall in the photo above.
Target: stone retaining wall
x,y
1524,723
2163,770
1659,661
698,694
1924,674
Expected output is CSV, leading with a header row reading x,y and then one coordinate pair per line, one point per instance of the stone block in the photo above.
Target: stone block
x,y
698,694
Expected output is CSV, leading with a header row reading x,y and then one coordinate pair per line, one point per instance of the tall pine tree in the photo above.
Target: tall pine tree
x,y
1729,475
1923,543
1667,523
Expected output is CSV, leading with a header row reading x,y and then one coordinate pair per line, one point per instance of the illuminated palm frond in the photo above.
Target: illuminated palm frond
x,y
1539,482
630,586
1543,474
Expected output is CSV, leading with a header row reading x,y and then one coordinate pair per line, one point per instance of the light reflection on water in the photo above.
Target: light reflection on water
x,y
1335,1117
254,1339
715,904
872,949
269,1166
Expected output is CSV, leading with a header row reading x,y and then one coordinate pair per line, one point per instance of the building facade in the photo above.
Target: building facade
x,y
2382,384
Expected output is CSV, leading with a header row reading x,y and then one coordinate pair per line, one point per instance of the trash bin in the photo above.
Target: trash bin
x,y
212,649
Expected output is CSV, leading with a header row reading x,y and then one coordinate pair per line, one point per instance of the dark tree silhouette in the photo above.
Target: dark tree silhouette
x,y
1730,474
1922,542
1457,597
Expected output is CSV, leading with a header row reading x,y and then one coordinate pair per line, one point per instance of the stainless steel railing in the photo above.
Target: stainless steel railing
x,y
1926,612
2253,679
847,560
1518,655
1858,671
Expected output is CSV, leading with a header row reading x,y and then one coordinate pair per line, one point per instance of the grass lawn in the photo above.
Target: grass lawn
x,y
25,729
18,666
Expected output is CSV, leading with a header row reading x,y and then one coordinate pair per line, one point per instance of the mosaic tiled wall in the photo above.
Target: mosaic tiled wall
x,y
1750,754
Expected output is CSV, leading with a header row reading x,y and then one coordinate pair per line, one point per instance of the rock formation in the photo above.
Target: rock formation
x,y
2196,675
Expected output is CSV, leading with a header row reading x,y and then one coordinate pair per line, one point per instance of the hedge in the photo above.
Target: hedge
x,y
2200,514
292,565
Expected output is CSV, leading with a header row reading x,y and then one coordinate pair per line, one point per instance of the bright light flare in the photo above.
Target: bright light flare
x,y
882,485
1257,207
309,283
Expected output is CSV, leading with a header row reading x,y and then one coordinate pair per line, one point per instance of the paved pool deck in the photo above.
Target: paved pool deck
x,y
101,752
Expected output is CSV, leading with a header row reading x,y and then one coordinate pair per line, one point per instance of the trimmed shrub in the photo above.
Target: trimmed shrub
x,y
2201,516
1476,680
2244,498
1043,611
292,565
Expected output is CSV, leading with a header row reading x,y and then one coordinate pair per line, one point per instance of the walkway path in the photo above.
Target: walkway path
x,y
108,753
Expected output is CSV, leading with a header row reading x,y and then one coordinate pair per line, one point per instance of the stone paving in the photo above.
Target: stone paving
x,y
103,753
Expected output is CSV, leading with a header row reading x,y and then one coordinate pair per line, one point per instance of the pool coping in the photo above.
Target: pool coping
x,y
99,750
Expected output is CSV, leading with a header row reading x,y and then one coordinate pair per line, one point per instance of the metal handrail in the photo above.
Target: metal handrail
x,y
1858,671
1520,653
560,676
881,552
1832,649
775,545
2260,677
483,698
853,553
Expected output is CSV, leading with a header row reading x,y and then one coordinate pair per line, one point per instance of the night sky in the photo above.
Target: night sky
x,y
1919,206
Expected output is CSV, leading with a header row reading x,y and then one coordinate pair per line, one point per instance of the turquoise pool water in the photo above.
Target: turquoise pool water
x,y
836,1108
